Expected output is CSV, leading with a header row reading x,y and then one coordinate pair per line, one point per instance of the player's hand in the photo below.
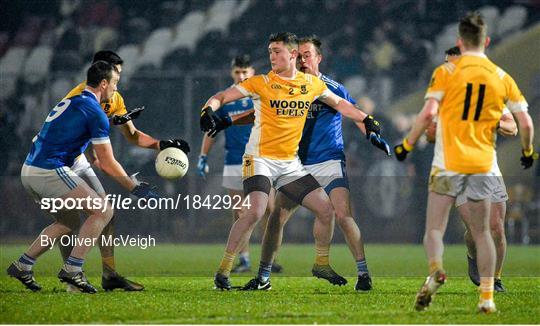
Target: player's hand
x,y
372,126
380,143
402,150
528,157
131,115
176,143
144,190
221,124
202,166
207,121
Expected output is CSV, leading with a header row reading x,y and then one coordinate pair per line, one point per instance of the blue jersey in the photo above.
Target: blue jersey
x,y
322,139
236,137
67,130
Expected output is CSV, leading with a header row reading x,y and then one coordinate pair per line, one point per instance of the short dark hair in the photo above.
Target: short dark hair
x,y
98,71
107,56
313,39
290,40
241,61
453,51
473,29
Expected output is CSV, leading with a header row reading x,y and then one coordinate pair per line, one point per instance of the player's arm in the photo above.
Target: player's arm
x,y
137,137
208,119
244,118
423,120
370,126
110,165
507,125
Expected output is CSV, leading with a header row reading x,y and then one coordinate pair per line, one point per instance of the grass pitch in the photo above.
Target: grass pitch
x,y
179,289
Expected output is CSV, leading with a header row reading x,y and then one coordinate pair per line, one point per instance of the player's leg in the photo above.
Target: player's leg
x,y
438,210
281,212
307,192
22,268
497,217
89,232
476,214
257,188
244,264
472,265
340,198
276,268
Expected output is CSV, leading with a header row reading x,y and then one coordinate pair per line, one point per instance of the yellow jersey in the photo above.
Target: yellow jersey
x,y
114,106
472,93
281,107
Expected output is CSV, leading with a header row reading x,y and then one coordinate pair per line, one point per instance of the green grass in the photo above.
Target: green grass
x,y
178,280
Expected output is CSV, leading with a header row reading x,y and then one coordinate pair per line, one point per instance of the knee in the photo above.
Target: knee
x,y
326,213
497,229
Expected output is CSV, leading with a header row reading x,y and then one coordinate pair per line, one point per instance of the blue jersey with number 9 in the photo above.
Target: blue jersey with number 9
x,y
67,130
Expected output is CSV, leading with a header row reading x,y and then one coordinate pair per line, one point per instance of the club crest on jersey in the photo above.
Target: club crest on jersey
x,y
107,107
303,89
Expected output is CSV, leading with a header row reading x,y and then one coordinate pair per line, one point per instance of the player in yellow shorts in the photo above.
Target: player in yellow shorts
x,y
281,102
116,111
469,96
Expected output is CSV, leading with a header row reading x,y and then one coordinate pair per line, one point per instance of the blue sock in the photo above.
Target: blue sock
x,y
361,266
244,259
74,264
26,262
264,271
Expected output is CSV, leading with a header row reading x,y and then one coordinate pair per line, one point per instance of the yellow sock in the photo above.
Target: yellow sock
x,y
108,263
486,288
322,257
226,263
434,265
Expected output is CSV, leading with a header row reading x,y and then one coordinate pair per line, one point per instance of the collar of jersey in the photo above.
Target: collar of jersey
x,y
475,54
274,75
90,92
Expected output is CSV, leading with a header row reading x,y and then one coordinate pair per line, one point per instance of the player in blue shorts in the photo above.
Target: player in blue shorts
x,y
47,175
322,154
236,138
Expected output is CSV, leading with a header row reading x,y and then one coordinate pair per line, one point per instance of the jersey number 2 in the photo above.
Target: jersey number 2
x,y
479,104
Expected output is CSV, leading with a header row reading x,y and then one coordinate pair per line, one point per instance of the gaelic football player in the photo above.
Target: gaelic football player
x,y
469,96
281,101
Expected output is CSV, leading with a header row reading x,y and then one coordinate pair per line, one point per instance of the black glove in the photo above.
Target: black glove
x,y
131,115
528,160
208,119
176,143
402,150
372,126
144,190
380,143
221,124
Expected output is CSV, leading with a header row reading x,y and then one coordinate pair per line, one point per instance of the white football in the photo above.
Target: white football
x,y
172,163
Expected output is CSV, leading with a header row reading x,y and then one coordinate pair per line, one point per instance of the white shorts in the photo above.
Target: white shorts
x,y
45,183
280,172
83,169
329,174
232,177
499,194
463,186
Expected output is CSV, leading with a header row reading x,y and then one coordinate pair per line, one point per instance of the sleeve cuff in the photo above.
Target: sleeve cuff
x,y
517,106
438,95
242,90
102,140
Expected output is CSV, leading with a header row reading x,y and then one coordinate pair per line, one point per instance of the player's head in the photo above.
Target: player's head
x,y
283,50
103,77
472,33
241,68
309,54
452,54
110,57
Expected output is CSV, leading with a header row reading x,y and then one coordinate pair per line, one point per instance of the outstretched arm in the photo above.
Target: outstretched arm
x,y
137,137
223,97
344,107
